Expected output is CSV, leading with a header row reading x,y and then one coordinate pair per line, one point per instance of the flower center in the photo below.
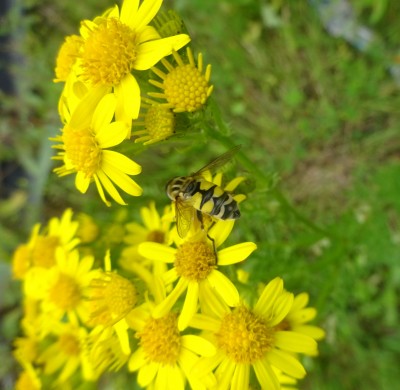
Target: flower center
x,y
69,344
186,88
111,297
65,293
195,260
43,253
67,56
109,53
82,151
156,236
244,336
160,339
159,122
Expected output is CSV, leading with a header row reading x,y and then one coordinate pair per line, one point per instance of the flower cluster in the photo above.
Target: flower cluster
x,y
153,299
102,71
166,311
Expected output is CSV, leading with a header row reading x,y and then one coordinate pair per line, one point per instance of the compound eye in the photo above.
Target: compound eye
x,y
191,187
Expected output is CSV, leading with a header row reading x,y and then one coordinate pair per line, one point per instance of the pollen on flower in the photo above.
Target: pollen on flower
x,y
109,53
82,151
43,253
111,298
244,336
160,339
67,56
184,87
69,344
65,292
195,260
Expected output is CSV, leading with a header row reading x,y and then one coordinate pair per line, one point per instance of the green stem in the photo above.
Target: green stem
x,y
261,176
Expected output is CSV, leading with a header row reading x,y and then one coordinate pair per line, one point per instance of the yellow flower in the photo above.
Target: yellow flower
x,y
121,41
196,263
28,380
40,249
67,56
61,289
111,297
165,357
83,144
297,318
155,228
184,86
157,120
88,230
250,338
66,352
106,353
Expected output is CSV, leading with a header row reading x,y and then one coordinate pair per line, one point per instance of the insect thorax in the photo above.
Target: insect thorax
x,y
181,186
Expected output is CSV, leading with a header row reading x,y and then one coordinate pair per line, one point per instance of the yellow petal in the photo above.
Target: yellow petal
x,y
100,191
231,186
118,160
189,306
221,231
104,112
241,377
149,53
147,11
147,373
148,33
295,342
110,188
224,287
265,375
82,182
203,322
236,253
271,291
286,363
156,251
128,99
166,305
112,135
129,10
198,345
137,360
121,179
82,116
281,308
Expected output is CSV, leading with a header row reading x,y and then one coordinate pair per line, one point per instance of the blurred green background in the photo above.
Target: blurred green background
x,y
312,94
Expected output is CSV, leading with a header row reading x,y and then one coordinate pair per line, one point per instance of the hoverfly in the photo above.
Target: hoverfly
x,y
195,195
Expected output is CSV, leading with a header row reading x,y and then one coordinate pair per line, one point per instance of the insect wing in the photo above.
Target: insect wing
x,y
219,161
184,213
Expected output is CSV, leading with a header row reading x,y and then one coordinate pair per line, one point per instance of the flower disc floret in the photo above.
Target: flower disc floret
x,y
244,336
67,56
160,339
112,297
82,151
184,86
65,292
195,260
109,53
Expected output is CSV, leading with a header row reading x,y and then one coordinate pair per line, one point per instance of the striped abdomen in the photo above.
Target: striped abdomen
x,y
212,200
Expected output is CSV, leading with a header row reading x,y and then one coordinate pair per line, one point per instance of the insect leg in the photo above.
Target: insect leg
x,y
200,218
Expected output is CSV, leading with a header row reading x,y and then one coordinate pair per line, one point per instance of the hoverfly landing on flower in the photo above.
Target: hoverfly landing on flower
x,y
195,195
